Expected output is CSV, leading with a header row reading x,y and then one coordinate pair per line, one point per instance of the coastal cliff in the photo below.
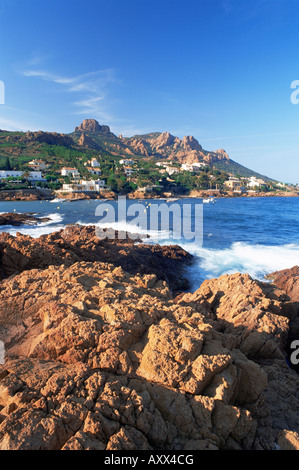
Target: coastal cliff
x,y
106,350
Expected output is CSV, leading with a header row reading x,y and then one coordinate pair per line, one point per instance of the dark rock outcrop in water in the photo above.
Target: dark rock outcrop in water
x,y
16,219
100,356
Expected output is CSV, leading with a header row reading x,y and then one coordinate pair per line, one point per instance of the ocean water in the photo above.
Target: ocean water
x,y
252,235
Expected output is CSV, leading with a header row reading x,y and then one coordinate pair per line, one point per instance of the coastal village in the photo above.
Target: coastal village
x,y
92,162
164,178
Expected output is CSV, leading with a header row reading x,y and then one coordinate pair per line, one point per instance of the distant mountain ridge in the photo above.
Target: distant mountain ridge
x,y
158,145
94,137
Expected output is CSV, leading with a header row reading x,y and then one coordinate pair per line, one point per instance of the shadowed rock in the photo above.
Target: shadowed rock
x,y
100,358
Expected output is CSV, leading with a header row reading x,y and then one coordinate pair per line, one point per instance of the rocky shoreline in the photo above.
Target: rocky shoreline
x,y
47,195
105,350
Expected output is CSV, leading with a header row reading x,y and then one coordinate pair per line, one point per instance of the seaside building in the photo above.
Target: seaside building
x,y
73,172
172,170
32,175
163,164
253,181
126,162
38,165
149,188
85,186
94,170
232,182
193,166
93,163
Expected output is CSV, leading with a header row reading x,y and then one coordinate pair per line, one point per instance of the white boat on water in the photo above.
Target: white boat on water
x,y
208,200
57,199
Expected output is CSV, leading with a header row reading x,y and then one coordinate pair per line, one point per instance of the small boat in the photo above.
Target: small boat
x,y
57,199
172,199
208,200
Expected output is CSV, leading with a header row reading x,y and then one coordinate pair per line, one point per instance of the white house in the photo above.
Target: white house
x,y
128,170
199,165
172,170
39,165
84,185
163,164
193,166
94,170
33,175
73,172
94,163
253,181
126,162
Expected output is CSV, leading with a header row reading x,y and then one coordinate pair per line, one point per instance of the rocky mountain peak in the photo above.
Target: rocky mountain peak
x,y
222,154
91,125
190,143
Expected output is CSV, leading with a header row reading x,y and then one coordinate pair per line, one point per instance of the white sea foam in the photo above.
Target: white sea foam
x,y
124,226
256,260
42,228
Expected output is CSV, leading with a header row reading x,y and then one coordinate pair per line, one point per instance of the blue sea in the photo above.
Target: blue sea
x,y
248,235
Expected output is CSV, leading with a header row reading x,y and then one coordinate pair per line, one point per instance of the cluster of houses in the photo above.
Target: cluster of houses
x,y
168,168
243,183
78,184
83,185
36,167
34,173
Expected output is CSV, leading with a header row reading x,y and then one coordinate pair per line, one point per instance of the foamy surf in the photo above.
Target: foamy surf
x,y
124,226
256,260
42,228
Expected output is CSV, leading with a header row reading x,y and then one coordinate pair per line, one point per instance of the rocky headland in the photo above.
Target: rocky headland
x,y
106,350
16,219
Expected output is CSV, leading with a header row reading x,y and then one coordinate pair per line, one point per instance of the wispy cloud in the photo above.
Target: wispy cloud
x,y
13,125
91,89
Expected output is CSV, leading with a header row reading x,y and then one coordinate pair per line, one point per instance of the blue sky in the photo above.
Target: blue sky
x,y
220,70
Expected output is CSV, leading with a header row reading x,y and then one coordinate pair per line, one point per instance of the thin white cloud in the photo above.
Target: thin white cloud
x,y
91,87
13,125
92,107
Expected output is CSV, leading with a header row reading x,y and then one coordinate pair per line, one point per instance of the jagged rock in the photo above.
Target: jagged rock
x,y
190,143
101,358
86,141
51,138
288,281
91,125
79,243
